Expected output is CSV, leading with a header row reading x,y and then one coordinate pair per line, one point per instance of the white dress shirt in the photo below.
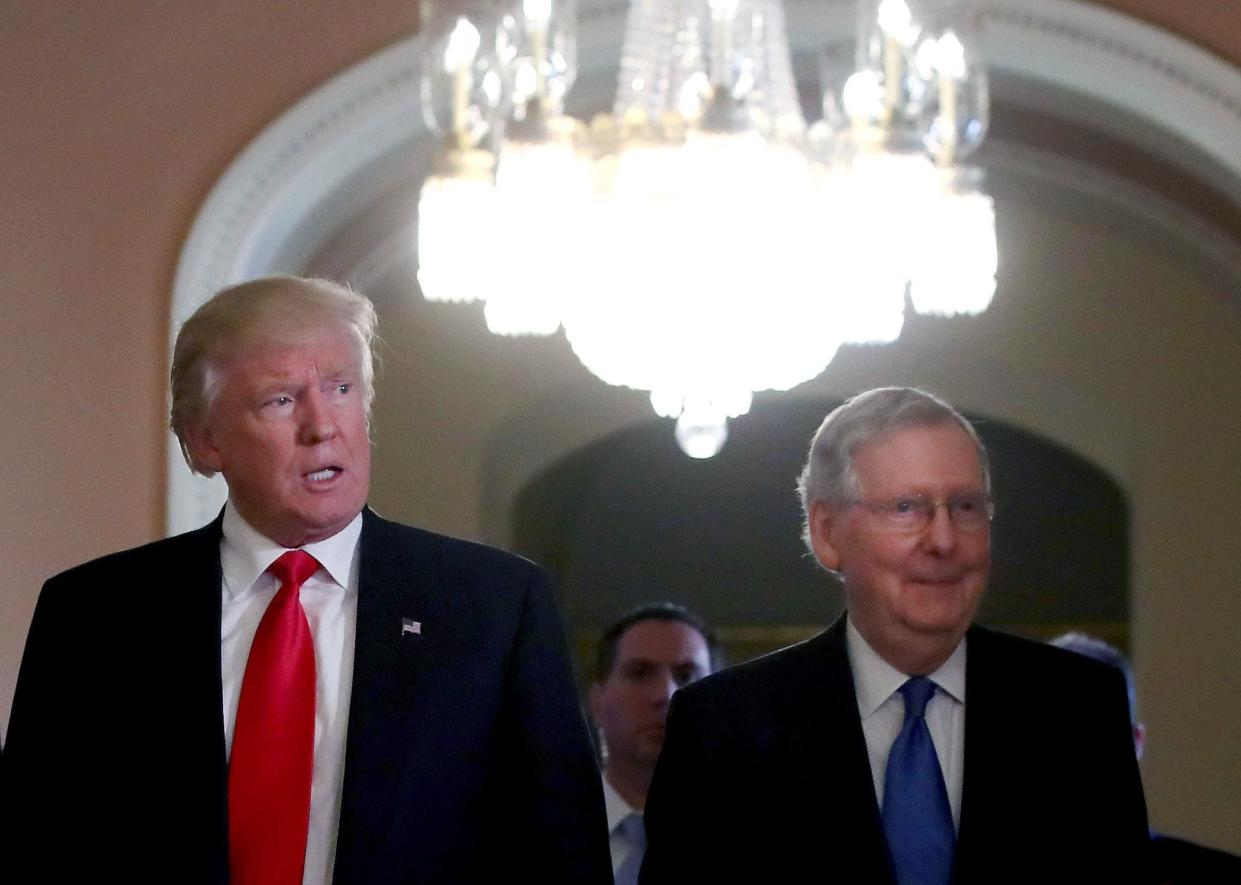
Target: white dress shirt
x,y
618,809
330,600
882,710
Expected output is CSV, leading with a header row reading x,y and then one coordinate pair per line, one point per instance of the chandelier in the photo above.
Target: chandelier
x,y
702,242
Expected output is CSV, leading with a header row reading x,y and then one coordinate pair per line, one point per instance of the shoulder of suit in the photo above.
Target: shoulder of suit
x,y
1054,668
427,544
149,555
769,673
101,584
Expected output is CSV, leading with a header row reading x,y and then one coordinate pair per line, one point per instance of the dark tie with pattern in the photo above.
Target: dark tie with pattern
x,y
270,767
917,818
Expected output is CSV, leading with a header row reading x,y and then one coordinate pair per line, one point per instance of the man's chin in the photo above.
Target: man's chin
x,y
319,523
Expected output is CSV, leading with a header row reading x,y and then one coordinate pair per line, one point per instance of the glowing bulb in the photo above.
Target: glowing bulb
x,y
949,56
701,436
462,45
537,12
862,96
896,22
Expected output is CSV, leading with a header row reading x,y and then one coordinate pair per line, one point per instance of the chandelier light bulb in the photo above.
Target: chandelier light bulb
x,y
862,96
538,13
463,42
702,428
955,266
701,441
948,56
897,23
455,213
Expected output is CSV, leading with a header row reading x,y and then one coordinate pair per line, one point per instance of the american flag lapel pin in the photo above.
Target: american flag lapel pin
x,y
409,625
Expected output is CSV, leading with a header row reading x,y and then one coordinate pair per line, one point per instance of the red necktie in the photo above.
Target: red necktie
x,y
273,739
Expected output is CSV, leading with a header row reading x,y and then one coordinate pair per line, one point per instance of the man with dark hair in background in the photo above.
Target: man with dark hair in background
x,y
1175,861
643,657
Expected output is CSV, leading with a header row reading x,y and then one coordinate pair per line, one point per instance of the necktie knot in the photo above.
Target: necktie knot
x,y
917,692
294,567
633,829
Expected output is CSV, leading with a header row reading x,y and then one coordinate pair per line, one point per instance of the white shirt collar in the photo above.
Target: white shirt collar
x,y
245,554
618,809
875,680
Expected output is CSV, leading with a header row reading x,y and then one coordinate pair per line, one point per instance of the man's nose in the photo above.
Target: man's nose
x,y
664,685
318,422
940,534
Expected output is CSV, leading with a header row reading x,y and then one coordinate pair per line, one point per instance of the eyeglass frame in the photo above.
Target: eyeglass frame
x,y
926,510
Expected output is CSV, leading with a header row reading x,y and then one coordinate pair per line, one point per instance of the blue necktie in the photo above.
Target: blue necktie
x,y
917,818
635,835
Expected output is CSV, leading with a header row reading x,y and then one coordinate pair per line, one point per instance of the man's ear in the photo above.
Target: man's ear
x,y
204,454
824,524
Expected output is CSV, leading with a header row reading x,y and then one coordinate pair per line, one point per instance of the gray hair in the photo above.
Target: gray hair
x,y
253,315
828,475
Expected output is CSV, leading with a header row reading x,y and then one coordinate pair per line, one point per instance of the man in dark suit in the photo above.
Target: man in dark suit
x,y
902,745
300,691
643,657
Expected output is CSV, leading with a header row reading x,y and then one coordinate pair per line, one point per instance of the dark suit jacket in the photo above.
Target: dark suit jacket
x,y
764,773
467,754
1181,862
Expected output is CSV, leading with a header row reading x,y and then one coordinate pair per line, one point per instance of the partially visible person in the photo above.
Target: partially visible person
x,y
1093,647
1175,861
905,744
643,657
300,692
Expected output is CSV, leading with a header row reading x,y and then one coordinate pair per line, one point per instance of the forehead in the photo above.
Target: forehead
x,y
662,641
931,458
262,357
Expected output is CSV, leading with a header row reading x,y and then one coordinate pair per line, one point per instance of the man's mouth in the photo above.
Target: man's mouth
x,y
935,580
323,474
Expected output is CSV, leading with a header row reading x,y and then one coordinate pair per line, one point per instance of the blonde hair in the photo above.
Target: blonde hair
x,y
250,316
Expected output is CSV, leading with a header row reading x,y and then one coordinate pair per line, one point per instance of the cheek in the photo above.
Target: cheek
x,y
888,553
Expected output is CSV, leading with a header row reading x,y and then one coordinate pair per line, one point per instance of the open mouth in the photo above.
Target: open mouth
x,y
324,474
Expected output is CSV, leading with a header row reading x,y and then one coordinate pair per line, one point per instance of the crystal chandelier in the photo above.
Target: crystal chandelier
x,y
701,242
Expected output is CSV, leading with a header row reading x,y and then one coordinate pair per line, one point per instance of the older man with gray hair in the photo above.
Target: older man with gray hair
x,y
904,744
300,691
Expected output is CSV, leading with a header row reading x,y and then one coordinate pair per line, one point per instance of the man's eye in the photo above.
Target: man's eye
x,y
343,387
905,505
281,400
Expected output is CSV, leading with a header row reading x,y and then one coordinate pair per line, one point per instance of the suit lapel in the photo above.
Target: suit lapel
x,y
191,697
388,663
836,777
985,769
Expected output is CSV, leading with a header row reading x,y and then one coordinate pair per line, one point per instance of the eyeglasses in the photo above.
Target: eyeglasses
x,y
969,512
